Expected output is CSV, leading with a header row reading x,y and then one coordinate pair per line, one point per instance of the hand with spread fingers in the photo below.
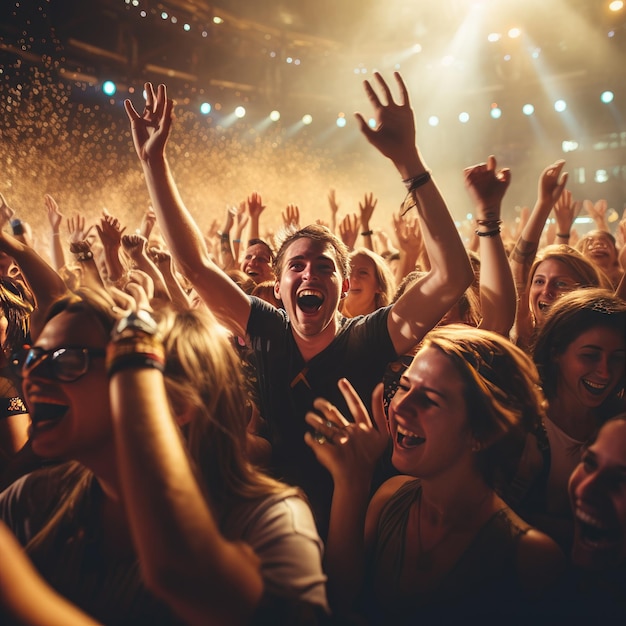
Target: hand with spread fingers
x,y
349,451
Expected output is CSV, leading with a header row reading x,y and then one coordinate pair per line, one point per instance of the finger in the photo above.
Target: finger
x,y
378,408
331,412
372,95
133,116
385,87
354,402
404,93
491,162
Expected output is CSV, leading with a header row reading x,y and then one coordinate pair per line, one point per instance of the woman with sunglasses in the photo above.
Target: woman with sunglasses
x,y
149,530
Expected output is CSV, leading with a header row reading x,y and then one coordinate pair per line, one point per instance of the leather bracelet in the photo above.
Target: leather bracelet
x,y
488,233
137,360
417,181
563,235
367,233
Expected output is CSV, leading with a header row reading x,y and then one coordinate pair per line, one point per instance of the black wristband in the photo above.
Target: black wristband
x,y
563,235
417,181
367,233
488,233
134,361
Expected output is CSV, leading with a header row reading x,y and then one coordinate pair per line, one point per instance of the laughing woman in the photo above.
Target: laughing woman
x,y
581,357
437,541
140,528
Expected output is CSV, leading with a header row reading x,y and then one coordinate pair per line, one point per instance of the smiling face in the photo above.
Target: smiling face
x,y
70,420
597,490
599,248
551,280
591,366
310,287
361,298
257,263
428,417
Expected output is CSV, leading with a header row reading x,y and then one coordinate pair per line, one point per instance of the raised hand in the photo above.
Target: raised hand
x,y
349,451
487,185
597,212
135,246
148,220
551,183
54,215
109,230
76,228
151,129
349,230
332,202
291,216
394,134
565,212
241,219
255,205
366,209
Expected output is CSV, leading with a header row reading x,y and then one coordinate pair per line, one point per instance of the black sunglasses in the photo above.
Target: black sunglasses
x,y
61,364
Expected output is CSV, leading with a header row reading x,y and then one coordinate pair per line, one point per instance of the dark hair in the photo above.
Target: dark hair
x,y
255,242
318,233
570,316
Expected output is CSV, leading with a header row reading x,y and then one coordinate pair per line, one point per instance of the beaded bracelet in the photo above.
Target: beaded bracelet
x,y
84,255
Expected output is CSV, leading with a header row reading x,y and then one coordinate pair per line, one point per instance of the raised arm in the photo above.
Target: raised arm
x,y
487,186
44,282
150,132
349,451
550,187
184,558
427,300
55,217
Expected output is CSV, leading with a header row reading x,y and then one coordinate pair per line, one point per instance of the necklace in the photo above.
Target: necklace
x,y
425,557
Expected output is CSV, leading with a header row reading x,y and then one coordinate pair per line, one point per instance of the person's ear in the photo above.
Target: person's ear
x,y
277,290
183,413
345,287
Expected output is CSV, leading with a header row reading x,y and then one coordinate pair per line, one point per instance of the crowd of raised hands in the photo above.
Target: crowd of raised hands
x,y
461,449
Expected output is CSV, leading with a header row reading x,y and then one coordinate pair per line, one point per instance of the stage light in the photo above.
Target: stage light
x,y
528,109
601,176
560,106
240,112
433,121
494,37
164,15
464,117
514,33
341,122
307,119
496,113
616,5
607,96
218,20
109,88
569,146
275,116
371,122
186,27
205,108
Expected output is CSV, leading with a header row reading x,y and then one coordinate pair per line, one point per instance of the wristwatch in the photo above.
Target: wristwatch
x,y
136,322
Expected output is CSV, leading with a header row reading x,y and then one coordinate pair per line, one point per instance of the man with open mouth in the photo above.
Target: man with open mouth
x,y
303,349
